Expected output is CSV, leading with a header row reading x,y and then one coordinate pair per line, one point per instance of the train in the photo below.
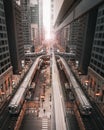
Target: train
x,y
18,99
83,103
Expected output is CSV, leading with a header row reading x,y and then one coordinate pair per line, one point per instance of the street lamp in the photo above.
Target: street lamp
x,y
42,98
13,84
86,84
97,94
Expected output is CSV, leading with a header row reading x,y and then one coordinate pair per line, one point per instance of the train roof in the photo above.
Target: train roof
x,y
16,99
20,92
80,94
83,100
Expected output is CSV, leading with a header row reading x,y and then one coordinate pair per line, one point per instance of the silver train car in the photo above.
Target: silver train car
x,y
18,99
82,101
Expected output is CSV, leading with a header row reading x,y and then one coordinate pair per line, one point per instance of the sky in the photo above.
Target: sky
x,y
46,18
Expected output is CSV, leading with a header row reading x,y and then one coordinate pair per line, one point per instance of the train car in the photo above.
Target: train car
x,y
18,99
82,101
40,63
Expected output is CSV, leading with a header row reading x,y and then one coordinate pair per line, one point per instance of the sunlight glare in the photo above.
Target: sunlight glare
x,y
47,35
46,18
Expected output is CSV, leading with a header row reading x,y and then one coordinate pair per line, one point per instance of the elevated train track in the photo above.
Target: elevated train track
x,y
93,120
18,99
82,101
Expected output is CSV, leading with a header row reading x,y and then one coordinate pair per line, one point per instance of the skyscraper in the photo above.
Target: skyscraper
x,y
41,36
14,27
96,68
26,23
52,17
34,13
5,63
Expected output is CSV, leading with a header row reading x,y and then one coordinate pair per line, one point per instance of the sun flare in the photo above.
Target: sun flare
x,y
46,18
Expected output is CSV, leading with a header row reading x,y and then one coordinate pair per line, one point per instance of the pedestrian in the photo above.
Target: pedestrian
x,y
50,97
44,110
37,113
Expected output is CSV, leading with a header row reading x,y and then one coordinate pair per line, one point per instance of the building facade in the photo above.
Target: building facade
x,y
96,67
52,18
14,27
41,35
85,23
5,62
85,35
26,21
34,11
73,36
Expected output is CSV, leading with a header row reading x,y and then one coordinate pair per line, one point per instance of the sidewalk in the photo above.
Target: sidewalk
x,y
45,109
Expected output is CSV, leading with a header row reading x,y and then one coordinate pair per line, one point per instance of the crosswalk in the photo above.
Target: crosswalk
x,y
45,124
